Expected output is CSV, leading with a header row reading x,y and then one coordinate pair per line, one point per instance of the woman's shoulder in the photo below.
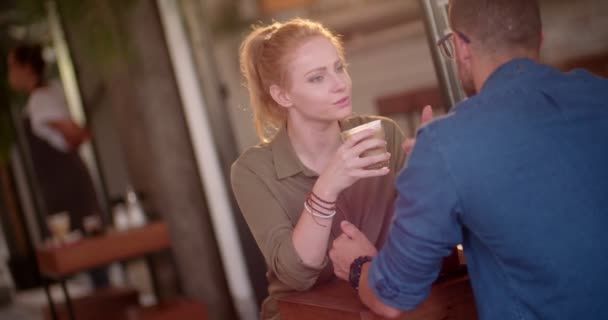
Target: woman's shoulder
x,y
256,158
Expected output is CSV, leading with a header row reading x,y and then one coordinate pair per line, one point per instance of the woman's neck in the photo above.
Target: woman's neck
x,y
314,142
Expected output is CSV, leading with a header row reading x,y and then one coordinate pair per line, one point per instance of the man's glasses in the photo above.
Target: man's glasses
x,y
446,44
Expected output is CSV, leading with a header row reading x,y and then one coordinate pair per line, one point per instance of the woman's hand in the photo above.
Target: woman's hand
x,y
347,166
350,245
427,116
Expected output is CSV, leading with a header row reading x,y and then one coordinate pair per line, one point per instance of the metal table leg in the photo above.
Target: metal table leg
x,y
49,297
68,301
153,277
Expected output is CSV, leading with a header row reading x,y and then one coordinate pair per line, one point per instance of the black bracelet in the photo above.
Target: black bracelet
x,y
355,271
321,199
311,200
322,211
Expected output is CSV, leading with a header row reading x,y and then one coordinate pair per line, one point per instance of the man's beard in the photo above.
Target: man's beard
x,y
466,80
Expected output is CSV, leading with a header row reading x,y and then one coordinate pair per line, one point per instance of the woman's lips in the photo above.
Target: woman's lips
x,y
342,102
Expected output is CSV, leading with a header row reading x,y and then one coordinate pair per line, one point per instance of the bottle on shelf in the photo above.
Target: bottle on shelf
x,y
135,212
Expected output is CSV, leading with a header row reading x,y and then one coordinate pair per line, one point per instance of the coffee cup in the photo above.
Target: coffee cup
x,y
59,225
375,125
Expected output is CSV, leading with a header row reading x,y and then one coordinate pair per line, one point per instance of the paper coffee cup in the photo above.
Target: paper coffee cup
x,y
59,225
375,125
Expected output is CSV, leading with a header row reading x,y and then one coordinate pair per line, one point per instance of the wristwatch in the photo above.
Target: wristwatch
x,y
355,271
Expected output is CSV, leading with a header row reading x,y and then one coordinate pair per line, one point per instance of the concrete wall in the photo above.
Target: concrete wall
x,y
574,29
382,62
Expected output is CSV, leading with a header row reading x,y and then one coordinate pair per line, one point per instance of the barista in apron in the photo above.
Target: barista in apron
x,y
53,139
63,178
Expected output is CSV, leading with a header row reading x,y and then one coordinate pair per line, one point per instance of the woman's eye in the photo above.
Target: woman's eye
x,y
316,79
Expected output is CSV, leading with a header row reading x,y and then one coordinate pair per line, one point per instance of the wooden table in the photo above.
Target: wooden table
x,y
450,299
58,263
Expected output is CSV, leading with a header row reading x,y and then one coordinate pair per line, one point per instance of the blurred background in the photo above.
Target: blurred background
x,y
158,86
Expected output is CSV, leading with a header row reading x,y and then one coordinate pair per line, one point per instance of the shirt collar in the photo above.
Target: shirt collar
x,y
286,161
508,71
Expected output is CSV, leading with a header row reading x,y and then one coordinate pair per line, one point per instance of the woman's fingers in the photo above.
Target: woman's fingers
x,y
349,165
368,173
359,167
362,163
358,149
358,137
427,115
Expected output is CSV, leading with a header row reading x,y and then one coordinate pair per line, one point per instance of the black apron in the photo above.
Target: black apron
x,y
63,178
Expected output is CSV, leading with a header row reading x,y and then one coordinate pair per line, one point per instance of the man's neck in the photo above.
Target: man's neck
x,y
31,85
487,65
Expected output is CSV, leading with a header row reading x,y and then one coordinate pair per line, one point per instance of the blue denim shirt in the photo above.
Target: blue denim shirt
x,y
519,175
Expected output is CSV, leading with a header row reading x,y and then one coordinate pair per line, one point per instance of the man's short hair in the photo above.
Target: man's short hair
x,y
498,25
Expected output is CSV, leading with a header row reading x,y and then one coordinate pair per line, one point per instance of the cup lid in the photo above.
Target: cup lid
x,y
376,125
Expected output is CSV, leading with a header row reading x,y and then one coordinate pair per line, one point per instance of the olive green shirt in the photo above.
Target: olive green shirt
x,y
271,184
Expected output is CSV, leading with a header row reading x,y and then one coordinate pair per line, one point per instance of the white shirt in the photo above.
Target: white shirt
x,y
44,105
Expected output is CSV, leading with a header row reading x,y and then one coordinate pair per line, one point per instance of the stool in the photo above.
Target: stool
x,y
177,309
102,304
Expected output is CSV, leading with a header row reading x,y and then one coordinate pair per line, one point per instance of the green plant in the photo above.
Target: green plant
x,y
229,19
103,42
98,24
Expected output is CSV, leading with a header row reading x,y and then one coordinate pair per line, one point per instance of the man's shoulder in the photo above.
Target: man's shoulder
x,y
467,120
49,99
585,82
461,113
52,90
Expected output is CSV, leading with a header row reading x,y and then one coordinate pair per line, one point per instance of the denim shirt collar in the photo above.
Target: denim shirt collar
x,y
513,69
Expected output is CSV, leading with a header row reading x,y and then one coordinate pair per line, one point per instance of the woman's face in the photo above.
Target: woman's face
x,y
319,85
18,74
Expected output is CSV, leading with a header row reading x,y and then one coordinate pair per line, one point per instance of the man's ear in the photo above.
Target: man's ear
x,y
280,96
464,50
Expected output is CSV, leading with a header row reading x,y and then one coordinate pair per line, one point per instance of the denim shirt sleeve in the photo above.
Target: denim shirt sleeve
x,y
425,228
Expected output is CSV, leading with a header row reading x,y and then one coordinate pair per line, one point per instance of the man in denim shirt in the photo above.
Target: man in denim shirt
x,y
518,174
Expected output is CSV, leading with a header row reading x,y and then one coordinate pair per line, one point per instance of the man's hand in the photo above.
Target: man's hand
x,y
73,134
427,116
350,245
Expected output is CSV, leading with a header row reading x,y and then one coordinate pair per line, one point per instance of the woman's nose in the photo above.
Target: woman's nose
x,y
339,83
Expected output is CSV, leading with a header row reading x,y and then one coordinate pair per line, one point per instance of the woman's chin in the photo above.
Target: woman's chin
x,y
345,112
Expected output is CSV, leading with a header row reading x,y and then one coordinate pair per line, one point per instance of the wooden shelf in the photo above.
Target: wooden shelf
x,y
98,251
